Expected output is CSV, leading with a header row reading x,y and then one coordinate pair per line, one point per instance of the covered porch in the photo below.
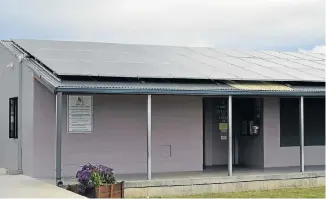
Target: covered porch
x,y
202,171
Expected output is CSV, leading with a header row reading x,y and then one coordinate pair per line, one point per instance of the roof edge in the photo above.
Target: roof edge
x,y
188,92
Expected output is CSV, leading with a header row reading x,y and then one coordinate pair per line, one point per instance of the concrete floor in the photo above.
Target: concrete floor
x,y
21,186
218,171
210,172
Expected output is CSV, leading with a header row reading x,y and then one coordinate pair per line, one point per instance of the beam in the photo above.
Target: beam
x,y
301,134
149,137
230,136
58,112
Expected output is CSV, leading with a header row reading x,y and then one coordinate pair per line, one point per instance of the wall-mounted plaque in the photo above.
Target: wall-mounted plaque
x,y
80,114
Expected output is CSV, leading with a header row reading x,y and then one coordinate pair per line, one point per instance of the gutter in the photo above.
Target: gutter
x,y
187,92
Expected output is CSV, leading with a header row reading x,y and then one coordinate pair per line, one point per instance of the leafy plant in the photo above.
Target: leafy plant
x,y
90,176
96,179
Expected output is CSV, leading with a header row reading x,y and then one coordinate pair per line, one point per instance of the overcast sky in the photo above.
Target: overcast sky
x,y
236,24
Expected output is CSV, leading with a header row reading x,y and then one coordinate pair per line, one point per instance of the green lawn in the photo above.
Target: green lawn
x,y
315,192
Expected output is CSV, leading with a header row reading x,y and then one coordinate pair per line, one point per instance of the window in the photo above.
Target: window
x,y
314,125
314,122
13,118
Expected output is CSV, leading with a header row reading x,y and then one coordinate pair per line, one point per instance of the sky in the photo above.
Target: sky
x,y
283,25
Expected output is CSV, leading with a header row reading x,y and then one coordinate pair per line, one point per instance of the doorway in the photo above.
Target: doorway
x,y
246,132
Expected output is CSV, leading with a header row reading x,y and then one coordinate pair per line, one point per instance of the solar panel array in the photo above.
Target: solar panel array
x,y
146,61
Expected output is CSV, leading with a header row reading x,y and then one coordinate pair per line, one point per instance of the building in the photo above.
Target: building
x,y
149,109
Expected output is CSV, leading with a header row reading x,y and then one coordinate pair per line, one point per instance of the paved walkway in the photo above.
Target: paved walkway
x,y
21,186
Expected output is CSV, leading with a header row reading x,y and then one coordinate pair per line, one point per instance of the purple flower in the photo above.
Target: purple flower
x,y
85,173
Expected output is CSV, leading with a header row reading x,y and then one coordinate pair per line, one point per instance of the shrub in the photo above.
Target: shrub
x,y
90,176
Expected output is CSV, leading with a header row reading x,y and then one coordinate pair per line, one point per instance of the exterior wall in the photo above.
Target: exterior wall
x,y
9,88
119,135
27,122
44,131
178,125
216,150
208,119
220,147
251,148
276,156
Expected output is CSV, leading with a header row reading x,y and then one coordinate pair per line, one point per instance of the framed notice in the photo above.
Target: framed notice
x,y
80,114
222,118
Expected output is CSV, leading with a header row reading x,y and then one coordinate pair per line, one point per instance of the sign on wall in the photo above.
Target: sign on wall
x,y
80,114
222,118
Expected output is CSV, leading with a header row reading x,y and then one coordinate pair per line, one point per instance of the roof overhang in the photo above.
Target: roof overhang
x,y
188,92
205,89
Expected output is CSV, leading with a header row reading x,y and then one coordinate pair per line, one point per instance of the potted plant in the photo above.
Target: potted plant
x,y
97,181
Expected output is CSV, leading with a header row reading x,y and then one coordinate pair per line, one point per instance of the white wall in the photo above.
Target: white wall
x,y
9,88
27,122
276,156
119,137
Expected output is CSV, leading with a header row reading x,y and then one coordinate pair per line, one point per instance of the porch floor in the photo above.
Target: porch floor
x,y
210,172
217,171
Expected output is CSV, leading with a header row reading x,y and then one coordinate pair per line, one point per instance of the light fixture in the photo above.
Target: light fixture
x,y
11,65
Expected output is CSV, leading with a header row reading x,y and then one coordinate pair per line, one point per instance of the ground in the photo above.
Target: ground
x,y
21,186
314,192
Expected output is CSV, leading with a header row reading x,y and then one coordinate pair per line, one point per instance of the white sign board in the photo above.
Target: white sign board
x,y
80,114
223,137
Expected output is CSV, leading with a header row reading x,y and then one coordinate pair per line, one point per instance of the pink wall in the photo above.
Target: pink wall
x,y
276,156
119,136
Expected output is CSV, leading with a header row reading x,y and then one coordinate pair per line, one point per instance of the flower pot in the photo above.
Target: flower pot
x,y
110,191
104,191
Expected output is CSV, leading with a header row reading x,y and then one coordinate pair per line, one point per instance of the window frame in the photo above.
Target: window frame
x,y
13,112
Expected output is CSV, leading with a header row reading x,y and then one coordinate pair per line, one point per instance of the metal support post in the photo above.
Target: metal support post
x,y
149,137
230,137
301,134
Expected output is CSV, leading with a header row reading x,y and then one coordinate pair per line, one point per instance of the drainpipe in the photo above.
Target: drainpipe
x,y
58,147
20,116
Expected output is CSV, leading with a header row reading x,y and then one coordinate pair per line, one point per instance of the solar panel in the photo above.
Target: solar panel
x,y
265,63
302,56
321,62
317,55
67,67
220,65
280,55
314,72
257,54
288,63
311,64
233,53
127,60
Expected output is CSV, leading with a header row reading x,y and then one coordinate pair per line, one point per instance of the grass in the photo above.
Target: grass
x,y
313,192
